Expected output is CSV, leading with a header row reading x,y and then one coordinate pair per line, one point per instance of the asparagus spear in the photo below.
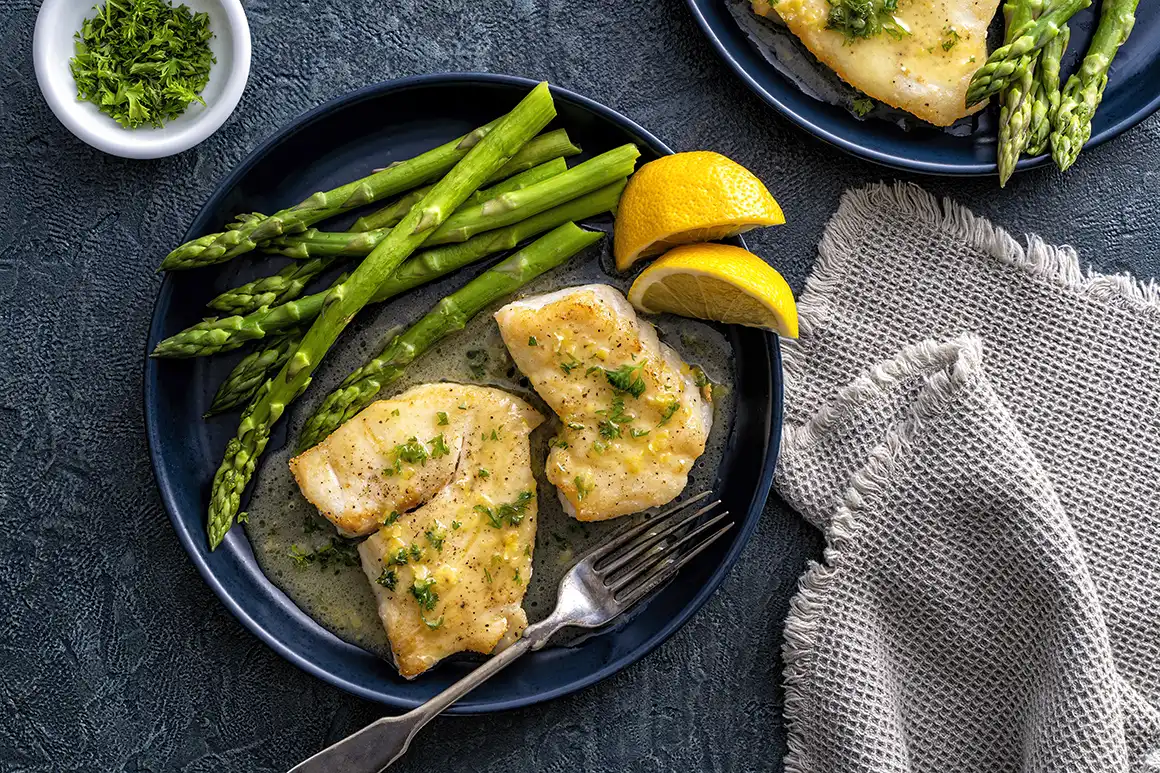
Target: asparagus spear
x,y
248,230
253,371
498,211
313,244
360,241
452,313
1015,101
394,179
223,335
345,300
393,212
284,286
1008,62
514,206
1046,94
1085,89
536,174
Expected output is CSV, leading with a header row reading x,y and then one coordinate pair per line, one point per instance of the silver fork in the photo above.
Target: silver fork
x,y
600,587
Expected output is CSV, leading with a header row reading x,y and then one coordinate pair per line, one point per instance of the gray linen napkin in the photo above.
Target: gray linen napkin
x,y
976,426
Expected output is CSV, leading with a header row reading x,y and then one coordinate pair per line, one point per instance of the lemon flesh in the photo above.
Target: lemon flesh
x,y
688,197
720,283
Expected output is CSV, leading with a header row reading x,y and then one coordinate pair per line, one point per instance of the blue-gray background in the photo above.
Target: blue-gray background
x,y
113,654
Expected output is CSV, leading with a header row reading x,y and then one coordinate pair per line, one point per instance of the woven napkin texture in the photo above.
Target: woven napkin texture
x,y
975,424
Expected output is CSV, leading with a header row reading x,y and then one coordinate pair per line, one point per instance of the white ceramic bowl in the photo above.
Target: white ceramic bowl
x,y
53,46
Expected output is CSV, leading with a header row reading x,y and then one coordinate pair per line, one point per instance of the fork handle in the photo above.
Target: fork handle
x,y
381,743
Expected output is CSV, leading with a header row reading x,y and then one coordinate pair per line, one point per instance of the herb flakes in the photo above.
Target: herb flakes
x,y
142,61
865,18
338,552
388,579
425,593
510,514
627,379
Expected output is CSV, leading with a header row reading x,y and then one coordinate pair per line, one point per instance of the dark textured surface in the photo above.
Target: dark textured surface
x,y
113,654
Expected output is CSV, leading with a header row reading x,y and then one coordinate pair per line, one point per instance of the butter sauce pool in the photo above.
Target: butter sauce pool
x,y
336,593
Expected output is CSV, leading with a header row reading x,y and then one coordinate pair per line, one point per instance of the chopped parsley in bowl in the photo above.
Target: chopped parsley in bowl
x,y
142,78
142,61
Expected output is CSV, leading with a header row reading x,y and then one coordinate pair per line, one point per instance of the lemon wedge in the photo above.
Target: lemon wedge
x,y
688,197
720,283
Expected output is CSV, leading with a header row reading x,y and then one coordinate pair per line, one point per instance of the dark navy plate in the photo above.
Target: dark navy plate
x,y
1133,93
333,144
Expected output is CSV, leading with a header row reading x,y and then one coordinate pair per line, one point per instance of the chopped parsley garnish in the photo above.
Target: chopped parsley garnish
x,y
610,426
511,513
416,552
398,558
583,488
395,412
438,446
532,341
425,593
443,421
575,425
627,379
952,38
484,472
432,625
558,442
668,413
517,576
411,452
477,362
599,446
487,574
388,579
455,525
862,106
142,61
338,552
865,18
570,365
435,535
638,432
301,557
391,518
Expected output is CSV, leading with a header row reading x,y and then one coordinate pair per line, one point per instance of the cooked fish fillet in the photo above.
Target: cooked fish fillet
x,y
343,475
449,575
925,72
618,452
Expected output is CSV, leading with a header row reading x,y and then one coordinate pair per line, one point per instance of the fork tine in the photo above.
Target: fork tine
x,y
648,562
649,539
668,570
630,533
